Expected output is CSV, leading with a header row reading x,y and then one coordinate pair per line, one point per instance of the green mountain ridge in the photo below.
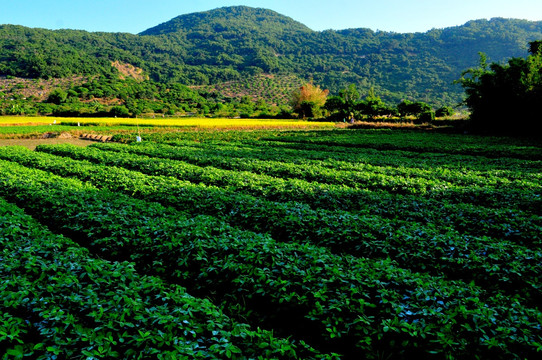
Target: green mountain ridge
x,y
232,43
238,18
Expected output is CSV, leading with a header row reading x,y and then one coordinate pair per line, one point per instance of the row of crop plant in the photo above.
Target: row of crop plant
x,y
273,157
512,267
443,184
419,142
508,222
357,307
58,301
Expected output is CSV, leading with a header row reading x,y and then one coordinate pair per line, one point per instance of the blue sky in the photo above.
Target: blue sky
x,y
134,16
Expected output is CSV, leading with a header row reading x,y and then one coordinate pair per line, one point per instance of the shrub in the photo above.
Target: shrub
x,y
444,111
426,116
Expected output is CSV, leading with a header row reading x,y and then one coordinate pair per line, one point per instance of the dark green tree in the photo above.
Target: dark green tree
x,y
373,106
57,97
350,96
336,107
506,98
120,111
416,109
444,111
345,105
308,109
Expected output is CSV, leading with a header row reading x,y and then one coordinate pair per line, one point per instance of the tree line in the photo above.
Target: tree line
x,y
111,96
506,98
502,98
310,101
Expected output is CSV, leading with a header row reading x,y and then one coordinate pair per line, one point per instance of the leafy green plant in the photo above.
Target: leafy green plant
x,y
412,244
360,306
58,301
452,271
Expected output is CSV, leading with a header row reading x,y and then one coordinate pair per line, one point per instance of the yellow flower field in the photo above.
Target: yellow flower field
x,y
23,120
205,123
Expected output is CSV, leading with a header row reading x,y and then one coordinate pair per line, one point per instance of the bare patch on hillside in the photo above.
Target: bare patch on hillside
x,y
36,89
129,70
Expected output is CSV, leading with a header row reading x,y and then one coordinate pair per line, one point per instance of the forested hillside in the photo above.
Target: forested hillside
x,y
233,43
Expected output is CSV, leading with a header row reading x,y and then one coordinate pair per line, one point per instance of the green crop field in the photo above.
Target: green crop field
x,y
299,244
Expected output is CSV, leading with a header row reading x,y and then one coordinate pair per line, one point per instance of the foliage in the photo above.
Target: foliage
x,y
308,100
436,247
57,96
343,106
444,111
373,106
506,98
103,96
426,116
287,274
358,306
59,301
274,89
409,108
349,105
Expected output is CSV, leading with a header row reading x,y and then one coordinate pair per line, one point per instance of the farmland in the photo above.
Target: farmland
x,y
189,122
298,244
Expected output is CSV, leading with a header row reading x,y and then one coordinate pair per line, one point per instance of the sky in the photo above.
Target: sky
x,y
135,16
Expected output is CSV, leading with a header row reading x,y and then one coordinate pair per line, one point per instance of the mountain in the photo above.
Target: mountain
x,y
236,21
232,43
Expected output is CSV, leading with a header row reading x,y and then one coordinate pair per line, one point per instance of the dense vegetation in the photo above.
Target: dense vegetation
x,y
366,244
506,98
230,45
58,300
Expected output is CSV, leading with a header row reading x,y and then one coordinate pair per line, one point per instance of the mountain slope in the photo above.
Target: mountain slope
x,y
238,19
229,44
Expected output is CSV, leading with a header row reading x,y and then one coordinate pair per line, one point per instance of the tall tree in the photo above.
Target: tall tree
x,y
308,100
506,98
406,108
373,106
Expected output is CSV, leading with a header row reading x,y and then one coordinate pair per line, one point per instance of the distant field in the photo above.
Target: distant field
x,y
168,122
